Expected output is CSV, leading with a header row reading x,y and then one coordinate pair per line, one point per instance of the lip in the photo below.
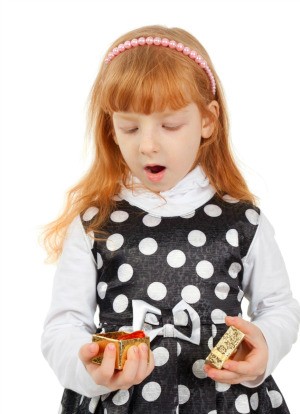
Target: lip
x,y
155,178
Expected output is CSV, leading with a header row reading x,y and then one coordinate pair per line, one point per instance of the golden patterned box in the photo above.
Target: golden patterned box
x,y
122,345
226,346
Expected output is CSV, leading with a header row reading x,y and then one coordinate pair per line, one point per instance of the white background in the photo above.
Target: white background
x,y
51,51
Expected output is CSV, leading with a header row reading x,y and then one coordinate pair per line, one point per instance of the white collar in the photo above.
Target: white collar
x,y
182,200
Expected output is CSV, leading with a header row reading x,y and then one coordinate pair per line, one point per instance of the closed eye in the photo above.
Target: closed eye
x,y
129,131
172,128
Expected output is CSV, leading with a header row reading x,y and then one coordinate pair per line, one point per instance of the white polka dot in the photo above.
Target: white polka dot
x,y
254,401
119,216
218,316
125,272
197,369
99,261
205,269
189,215
183,394
176,258
222,290
191,294
151,221
90,213
276,398
161,356
120,303
197,238
151,391
234,269
114,242
178,349
213,412
101,289
229,199
121,397
105,411
252,216
81,399
126,328
213,330
212,210
232,237
93,404
210,343
242,404
157,291
148,246
240,295
221,387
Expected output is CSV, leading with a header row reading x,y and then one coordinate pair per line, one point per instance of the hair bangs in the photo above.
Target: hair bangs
x,y
151,80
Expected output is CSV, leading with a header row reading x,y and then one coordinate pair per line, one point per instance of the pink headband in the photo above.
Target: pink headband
x,y
157,41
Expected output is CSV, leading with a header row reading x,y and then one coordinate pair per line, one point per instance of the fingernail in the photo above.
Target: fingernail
x,y
93,348
111,347
144,348
134,349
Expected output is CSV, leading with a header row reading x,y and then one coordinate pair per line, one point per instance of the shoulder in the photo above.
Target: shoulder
x,y
240,210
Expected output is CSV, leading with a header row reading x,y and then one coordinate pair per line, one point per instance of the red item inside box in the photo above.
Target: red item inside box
x,y
133,335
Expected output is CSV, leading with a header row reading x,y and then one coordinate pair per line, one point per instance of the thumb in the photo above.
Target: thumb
x,y
88,351
239,323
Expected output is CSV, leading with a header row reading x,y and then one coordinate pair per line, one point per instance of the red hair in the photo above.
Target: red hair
x,y
147,79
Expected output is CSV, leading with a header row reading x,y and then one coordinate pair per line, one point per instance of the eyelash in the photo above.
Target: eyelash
x,y
168,128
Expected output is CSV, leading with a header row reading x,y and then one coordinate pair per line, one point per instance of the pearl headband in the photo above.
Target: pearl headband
x,y
157,41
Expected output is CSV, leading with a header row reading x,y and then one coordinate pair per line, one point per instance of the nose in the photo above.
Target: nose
x,y
148,143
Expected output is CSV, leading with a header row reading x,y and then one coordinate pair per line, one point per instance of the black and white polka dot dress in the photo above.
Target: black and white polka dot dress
x,y
183,274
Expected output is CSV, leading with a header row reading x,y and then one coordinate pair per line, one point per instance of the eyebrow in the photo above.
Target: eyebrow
x,y
130,115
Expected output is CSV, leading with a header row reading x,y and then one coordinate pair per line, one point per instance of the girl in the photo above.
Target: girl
x,y
162,234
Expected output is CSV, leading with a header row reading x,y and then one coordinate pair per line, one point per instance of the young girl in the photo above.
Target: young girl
x,y
162,234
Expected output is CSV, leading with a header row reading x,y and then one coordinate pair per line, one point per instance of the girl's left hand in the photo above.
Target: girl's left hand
x,y
250,360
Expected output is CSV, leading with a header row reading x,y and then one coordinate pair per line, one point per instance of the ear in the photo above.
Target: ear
x,y
207,123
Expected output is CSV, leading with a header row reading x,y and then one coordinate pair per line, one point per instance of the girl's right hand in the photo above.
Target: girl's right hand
x,y
136,367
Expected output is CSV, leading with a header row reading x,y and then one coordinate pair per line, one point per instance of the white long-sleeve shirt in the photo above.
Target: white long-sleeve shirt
x,y
70,321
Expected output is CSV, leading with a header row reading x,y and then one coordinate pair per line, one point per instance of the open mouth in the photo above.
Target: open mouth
x,y
155,169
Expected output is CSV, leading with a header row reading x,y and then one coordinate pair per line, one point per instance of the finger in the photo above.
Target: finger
x,y
127,377
108,362
240,367
254,336
227,377
151,363
142,371
239,323
87,352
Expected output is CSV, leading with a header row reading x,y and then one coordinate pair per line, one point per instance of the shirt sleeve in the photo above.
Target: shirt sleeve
x,y
70,320
271,305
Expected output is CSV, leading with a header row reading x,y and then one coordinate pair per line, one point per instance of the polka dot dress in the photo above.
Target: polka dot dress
x,y
194,261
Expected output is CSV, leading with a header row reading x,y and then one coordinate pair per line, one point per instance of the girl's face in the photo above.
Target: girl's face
x,y
160,148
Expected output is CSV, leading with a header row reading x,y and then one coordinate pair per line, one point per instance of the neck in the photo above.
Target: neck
x,y
183,199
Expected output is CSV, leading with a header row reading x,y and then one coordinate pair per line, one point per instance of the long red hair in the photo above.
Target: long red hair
x,y
147,79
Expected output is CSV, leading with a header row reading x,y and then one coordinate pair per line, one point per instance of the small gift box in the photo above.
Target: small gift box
x,y
123,341
226,347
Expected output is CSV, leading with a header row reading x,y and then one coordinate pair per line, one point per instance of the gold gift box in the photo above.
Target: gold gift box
x,y
226,347
122,346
